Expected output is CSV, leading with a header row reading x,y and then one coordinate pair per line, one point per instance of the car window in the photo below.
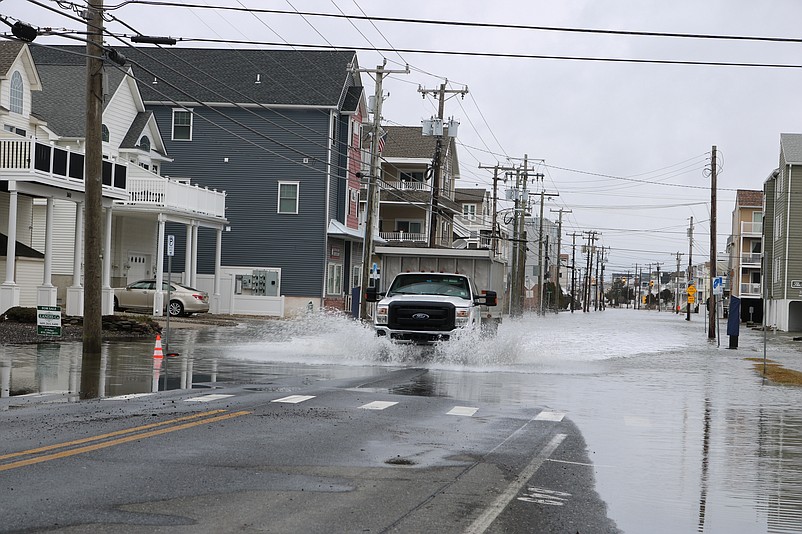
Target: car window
x,y
142,284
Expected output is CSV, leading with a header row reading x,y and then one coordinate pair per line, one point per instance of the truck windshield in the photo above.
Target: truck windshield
x,y
430,284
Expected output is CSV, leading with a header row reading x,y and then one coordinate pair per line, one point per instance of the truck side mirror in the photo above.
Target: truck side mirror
x,y
490,298
372,294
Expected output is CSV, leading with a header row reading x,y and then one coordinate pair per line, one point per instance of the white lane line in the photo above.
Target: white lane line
x,y
466,411
486,519
128,397
208,398
547,415
378,405
294,399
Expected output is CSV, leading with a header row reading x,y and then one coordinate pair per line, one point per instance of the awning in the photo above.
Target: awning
x,y
338,229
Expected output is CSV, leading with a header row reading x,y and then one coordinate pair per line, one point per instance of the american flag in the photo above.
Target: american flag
x,y
382,138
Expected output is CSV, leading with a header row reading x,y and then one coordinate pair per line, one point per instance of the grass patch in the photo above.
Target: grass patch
x,y
777,373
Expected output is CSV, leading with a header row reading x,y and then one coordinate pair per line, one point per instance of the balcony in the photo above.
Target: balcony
x,y
753,259
28,160
148,189
750,290
751,228
399,237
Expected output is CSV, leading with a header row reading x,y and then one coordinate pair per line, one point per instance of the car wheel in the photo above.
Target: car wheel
x,y
176,308
116,304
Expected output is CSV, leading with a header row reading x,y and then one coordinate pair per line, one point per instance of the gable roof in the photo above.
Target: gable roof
x,y
474,195
135,130
62,101
408,142
791,147
9,50
749,198
318,78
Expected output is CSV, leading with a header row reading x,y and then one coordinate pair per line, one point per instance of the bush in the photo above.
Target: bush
x,y
21,315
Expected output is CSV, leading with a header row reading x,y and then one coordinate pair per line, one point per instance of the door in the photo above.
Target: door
x,y
138,267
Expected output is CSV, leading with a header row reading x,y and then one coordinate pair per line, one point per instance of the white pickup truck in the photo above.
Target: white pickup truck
x,y
427,307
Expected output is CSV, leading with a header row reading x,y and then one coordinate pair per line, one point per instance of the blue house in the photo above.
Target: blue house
x,y
280,132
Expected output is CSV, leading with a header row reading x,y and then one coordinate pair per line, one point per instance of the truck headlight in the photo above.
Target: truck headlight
x,y
381,314
462,316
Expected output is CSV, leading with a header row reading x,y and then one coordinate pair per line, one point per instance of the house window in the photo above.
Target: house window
x,y
14,130
288,197
16,96
777,269
144,144
182,125
356,276
104,132
334,279
469,211
778,226
412,227
410,176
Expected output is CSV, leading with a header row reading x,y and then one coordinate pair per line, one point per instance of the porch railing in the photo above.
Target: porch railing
x,y
751,227
404,236
147,188
753,258
750,289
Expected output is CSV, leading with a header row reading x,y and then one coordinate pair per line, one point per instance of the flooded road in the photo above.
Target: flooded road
x,y
683,435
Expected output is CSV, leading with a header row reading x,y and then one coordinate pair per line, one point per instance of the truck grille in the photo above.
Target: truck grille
x,y
422,317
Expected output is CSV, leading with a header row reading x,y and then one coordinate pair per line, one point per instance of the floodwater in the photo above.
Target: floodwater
x,y
683,434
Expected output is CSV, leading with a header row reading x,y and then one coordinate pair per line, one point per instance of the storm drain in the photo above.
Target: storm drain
x,y
399,461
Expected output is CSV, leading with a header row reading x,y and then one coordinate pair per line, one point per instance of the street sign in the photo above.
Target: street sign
x,y
718,285
48,320
691,299
171,245
691,290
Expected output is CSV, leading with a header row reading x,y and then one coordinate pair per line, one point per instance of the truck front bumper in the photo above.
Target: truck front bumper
x,y
416,337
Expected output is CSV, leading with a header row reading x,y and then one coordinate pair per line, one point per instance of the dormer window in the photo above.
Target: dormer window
x,y
16,99
104,133
144,144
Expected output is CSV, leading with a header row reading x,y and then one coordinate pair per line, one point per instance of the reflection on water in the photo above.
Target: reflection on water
x,y
683,435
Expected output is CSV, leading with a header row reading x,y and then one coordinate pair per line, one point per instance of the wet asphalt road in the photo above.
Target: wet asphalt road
x,y
295,454
665,431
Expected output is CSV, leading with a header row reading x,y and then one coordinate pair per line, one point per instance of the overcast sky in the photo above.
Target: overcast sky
x,y
608,136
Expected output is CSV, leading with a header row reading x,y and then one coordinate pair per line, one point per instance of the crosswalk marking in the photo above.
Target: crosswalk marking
x,y
208,398
466,411
128,397
378,405
547,415
294,399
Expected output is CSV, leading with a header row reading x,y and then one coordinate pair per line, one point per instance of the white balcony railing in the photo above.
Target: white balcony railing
x,y
407,186
146,188
33,161
752,228
750,289
751,259
403,236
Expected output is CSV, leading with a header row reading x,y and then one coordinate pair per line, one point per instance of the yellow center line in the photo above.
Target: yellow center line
x,y
109,435
119,441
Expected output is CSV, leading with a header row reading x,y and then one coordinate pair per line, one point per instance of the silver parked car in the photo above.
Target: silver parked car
x,y
139,296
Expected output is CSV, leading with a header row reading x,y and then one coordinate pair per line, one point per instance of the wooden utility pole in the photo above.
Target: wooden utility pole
x,y
676,285
690,267
637,281
440,94
659,283
559,251
93,194
541,248
711,304
573,271
371,200
494,232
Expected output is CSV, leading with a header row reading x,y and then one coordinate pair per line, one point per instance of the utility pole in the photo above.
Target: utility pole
x,y
541,247
573,271
602,304
676,286
589,270
658,284
690,266
626,289
559,251
636,304
494,233
651,285
711,305
375,169
441,93
93,189
596,285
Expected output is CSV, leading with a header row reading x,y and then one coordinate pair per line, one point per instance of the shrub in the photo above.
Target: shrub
x,y
21,315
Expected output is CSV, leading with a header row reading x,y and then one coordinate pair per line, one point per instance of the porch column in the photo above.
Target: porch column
x,y
9,290
46,293
218,254
158,297
186,279
75,293
107,304
193,282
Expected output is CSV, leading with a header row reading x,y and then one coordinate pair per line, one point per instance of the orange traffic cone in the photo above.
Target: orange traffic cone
x,y
158,354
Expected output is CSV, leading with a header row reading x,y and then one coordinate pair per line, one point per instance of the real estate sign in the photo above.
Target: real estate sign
x,y
48,320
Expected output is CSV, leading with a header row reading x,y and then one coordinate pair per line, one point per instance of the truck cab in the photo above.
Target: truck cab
x,y
425,307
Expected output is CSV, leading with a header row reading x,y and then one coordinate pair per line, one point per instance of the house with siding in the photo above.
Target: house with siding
x,y
41,170
406,189
782,238
280,132
745,247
